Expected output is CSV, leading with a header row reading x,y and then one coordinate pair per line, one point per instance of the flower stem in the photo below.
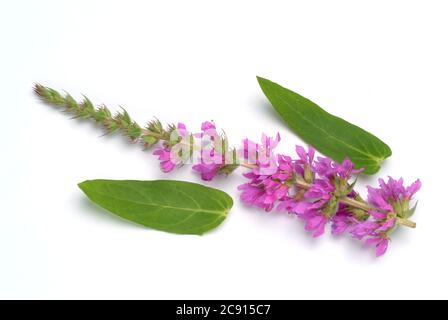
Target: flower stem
x,y
406,223
356,204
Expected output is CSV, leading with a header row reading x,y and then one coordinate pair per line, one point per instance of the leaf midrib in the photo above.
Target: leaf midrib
x,y
161,206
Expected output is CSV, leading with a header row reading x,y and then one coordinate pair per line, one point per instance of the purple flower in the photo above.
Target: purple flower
x,y
413,188
208,130
375,231
253,195
304,165
320,190
262,155
210,160
315,222
207,125
285,168
249,151
166,165
210,163
323,167
313,199
207,171
305,157
376,198
377,215
326,167
268,144
380,243
167,155
346,169
342,221
265,149
394,190
386,225
182,129
262,191
364,229
393,196
290,205
310,206
297,206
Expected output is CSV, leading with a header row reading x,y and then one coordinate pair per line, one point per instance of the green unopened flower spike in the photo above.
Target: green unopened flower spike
x,y
119,121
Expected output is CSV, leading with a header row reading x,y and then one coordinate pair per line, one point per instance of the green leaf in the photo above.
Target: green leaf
x,y
167,205
329,134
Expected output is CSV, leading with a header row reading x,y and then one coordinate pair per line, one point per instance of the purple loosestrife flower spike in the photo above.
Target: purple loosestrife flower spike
x,y
317,190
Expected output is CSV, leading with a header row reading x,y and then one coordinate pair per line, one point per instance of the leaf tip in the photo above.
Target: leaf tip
x,y
388,151
261,80
83,185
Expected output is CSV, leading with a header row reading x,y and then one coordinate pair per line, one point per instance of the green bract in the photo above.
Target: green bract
x,y
329,134
166,205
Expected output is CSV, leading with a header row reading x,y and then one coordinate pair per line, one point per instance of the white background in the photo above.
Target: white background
x,y
380,64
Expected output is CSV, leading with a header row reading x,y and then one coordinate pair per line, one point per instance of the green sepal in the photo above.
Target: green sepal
x,y
228,169
409,213
149,140
155,126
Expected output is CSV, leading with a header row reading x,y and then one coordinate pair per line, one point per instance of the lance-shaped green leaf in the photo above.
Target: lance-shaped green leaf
x,y
327,133
167,205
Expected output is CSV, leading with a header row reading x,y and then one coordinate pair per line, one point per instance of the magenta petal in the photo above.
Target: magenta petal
x,y
314,222
285,204
313,194
164,154
413,188
301,152
378,215
387,225
310,153
373,241
320,229
167,166
381,248
207,125
302,207
376,198
338,228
